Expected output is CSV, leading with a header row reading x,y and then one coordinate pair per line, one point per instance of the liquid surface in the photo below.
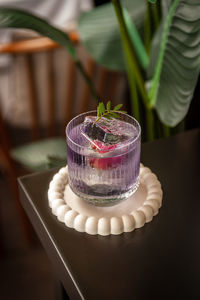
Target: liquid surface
x,y
127,130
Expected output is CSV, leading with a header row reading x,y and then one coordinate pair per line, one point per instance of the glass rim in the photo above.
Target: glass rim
x,y
130,141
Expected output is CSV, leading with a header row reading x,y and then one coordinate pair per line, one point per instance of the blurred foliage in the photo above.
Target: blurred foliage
x,y
162,79
40,155
157,44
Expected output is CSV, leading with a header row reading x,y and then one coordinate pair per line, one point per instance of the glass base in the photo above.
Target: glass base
x,y
107,200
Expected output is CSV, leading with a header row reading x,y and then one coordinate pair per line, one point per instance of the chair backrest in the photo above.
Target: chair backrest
x,y
75,92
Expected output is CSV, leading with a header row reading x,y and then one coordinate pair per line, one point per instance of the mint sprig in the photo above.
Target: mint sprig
x,y
107,112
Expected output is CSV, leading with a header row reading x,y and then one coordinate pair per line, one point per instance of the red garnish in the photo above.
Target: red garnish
x,y
101,147
107,162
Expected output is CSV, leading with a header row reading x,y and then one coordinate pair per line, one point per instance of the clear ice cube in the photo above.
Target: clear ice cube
x,y
105,135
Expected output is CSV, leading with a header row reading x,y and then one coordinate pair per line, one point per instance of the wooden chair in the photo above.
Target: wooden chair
x,y
106,82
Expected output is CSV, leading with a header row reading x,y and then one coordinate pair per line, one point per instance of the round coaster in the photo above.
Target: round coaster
x,y
125,216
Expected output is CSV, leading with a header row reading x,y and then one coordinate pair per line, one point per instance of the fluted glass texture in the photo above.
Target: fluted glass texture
x,y
103,178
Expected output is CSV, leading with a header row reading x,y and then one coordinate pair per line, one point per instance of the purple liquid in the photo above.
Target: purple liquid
x,y
103,178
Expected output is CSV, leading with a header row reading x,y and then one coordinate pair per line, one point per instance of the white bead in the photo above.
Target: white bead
x,y
116,225
63,171
155,196
139,218
104,226
129,223
79,223
154,204
148,212
91,225
61,211
69,218
54,195
56,204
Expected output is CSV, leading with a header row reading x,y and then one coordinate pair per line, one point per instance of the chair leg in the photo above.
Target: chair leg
x,y
2,249
12,179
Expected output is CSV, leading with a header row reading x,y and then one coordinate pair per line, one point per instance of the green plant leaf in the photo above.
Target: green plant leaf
x,y
98,111
108,117
114,115
136,40
16,18
109,114
55,161
108,105
99,32
101,108
178,63
117,107
42,154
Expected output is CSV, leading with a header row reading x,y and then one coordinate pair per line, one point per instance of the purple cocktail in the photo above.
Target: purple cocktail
x,y
103,158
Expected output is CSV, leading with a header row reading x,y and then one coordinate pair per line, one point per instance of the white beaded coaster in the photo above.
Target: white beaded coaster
x,y
125,216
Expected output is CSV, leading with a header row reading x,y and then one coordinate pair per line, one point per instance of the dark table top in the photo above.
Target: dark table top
x,y
160,260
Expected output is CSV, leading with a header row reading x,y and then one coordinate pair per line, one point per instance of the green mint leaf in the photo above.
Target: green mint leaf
x,y
107,112
114,115
101,108
98,111
117,107
108,117
108,105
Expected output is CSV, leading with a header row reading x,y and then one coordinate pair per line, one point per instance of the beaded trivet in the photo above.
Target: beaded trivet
x,y
125,216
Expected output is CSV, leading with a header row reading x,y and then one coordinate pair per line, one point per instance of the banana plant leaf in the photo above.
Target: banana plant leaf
x,y
99,32
40,155
17,18
177,61
137,43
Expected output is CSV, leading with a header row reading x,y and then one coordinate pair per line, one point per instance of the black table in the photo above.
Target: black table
x,y
159,261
